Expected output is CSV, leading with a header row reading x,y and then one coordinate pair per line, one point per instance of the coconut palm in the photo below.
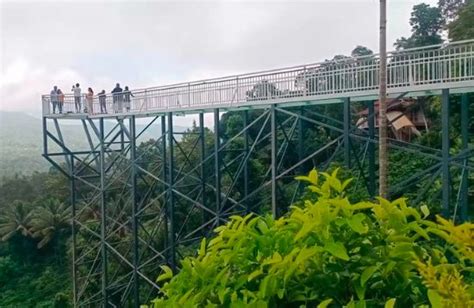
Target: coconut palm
x,y
49,219
15,219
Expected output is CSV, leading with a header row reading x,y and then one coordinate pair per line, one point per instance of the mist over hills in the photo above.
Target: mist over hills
x,y
21,142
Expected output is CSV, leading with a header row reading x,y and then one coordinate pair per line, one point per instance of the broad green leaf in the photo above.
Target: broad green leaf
x,y
337,249
255,274
425,210
313,177
436,300
367,273
202,249
355,222
168,274
325,303
390,303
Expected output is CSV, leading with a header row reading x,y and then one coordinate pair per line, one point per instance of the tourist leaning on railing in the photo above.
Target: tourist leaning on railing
x,y
54,98
60,100
117,96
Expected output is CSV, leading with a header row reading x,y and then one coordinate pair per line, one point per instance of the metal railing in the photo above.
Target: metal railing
x,y
414,69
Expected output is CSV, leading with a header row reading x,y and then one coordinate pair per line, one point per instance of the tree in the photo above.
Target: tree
x,y
383,153
15,219
451,8
360,51
49,219
462,28
426,25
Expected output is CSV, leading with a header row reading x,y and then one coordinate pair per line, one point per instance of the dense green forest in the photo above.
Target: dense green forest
x,y
35,254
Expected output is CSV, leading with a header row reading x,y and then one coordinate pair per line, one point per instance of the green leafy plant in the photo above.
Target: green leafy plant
x,y
328,252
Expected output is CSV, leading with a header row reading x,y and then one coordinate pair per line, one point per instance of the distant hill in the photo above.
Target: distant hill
x,y
21,142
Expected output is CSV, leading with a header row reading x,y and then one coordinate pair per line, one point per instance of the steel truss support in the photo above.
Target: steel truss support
x,y
144,200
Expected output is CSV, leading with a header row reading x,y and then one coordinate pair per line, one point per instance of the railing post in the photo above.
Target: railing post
x,y
306,82
189,94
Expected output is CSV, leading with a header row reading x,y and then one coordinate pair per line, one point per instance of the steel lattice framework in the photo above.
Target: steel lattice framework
x,y
139,203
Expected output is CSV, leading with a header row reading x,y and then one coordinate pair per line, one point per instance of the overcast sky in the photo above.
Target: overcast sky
x,y
139,44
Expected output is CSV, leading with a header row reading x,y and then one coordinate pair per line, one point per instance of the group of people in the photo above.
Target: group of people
x,y
121,98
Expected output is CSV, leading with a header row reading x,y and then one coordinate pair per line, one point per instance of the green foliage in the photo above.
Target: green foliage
x,y
426,22
462,28
328,252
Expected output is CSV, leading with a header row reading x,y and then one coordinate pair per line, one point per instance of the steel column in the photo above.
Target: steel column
x,y
347,126
133,197
301,140
445,150
465,149
202,132
246,162
371,148
170,204
217,164
103,214
73,230
274,160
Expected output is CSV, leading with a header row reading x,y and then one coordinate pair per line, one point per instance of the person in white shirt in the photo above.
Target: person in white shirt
x,y
54,98
77,97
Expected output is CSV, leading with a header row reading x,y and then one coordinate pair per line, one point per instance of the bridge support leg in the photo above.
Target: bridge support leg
x,y
73,231
301,140
164,174
246,164
347,126
133,197
103,214
217,165
170,203
274,160
465,149
371,147
202,137
445,151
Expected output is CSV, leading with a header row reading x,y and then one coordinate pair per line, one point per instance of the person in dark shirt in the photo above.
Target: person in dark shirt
x,y
117,95
127,94
103,106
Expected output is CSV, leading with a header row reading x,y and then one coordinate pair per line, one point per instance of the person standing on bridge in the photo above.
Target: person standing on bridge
x,y
102,101
90,100
127,94
54,98
77,97
117,95
60,100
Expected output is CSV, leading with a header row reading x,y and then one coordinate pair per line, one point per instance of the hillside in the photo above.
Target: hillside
x,y
21,142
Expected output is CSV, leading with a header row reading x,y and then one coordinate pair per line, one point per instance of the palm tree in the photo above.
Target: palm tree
x,y
383,154
15,219
49,219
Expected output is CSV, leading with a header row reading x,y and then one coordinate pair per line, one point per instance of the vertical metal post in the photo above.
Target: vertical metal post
x,y
465,148
246,163
217,164
73,230
274,160
371,147
301,140
164,175
347,125
133,184
170,192
203,166
445,150
103,214
122,135
45,136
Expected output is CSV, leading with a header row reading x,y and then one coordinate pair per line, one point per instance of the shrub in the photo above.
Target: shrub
x,y
329,252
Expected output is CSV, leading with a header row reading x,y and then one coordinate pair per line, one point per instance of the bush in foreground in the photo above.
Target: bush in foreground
x,y
329,253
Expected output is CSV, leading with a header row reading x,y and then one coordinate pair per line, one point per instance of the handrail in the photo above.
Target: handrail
x,y
441,63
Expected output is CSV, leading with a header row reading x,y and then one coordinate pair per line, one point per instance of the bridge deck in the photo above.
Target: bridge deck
x,y
416,72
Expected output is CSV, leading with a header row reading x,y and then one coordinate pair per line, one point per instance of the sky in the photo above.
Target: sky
x,y
150,43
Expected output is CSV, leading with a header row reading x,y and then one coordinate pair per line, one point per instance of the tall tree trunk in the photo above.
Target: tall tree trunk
x,y
383,154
